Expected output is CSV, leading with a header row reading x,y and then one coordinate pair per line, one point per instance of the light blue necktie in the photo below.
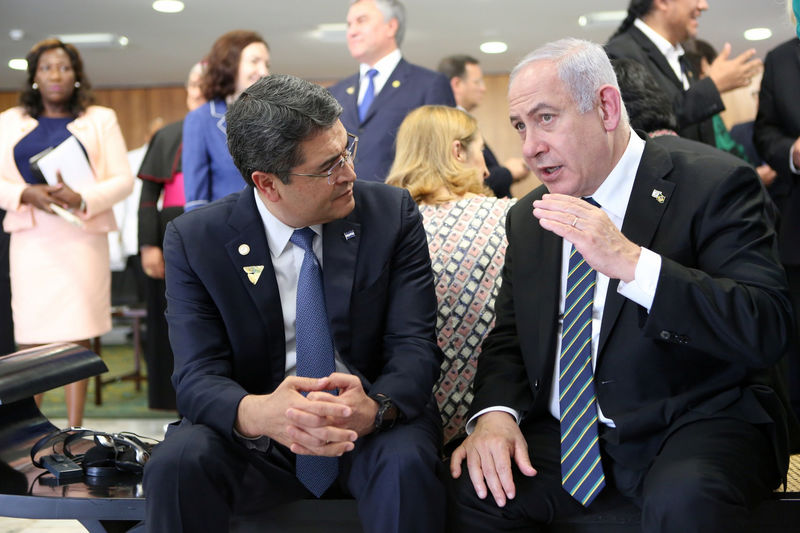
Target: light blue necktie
x,y
369,95
581,470
315,356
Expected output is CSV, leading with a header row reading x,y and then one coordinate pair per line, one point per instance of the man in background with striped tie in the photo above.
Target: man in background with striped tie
x,y
302,316
641,310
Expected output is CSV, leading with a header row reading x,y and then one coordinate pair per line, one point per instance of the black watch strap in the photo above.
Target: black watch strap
x,y
387,414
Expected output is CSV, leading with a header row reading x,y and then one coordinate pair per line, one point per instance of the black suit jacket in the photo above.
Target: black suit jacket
x,y
500,178
719,320
694,107
409,87
227,331
777,127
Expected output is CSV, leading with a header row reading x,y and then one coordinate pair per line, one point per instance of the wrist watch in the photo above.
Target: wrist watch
x,y
387,413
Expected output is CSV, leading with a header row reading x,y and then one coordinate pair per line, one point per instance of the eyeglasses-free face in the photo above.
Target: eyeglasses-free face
x,y
346,157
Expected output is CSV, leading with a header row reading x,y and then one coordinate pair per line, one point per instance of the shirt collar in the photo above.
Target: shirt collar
x,y
385,66
278,233
615,192
663,45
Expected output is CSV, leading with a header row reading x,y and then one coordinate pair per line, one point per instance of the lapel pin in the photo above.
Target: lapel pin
x,y
349,235
253,272
244,249
350,90
658,195
396,84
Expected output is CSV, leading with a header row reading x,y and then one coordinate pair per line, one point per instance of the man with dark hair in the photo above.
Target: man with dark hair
x,y
301,313
466,80
652,34
641,311
387,87
649,108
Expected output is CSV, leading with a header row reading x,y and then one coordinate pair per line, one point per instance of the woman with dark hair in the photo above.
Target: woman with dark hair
x,y
236,61
59,271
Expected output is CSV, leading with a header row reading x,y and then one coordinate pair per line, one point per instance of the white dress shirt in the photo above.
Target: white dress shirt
x,y
384,66
671,53
287,260
613,196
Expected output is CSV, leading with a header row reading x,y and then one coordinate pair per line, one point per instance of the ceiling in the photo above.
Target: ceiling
x,y
163,47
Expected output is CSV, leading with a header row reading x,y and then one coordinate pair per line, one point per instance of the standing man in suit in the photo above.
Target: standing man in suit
x,y
387,87
466,80
652,34
776,134
633,340
295,383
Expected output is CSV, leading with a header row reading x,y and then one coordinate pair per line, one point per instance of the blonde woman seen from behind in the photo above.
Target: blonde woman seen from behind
x,y
439,159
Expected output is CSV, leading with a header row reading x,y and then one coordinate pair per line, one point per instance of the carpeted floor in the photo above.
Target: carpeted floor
x,y
120,398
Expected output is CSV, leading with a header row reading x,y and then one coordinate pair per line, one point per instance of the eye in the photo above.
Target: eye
x,y
519,126
546,118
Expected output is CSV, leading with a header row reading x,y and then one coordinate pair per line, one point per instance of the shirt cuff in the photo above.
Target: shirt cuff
x,y
642,289
260,443
474,420
793,168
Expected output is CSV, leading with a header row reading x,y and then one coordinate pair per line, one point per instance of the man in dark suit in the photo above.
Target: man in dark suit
x,y
652,34
387,87
295,383
776,134
634,341
466,80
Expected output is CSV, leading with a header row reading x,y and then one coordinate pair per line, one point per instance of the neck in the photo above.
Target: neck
x,y
55,110
661,28
374,57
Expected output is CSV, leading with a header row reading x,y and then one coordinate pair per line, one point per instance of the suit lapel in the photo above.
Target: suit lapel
x,y
656,56
350,112
249,254
649,199
392,85
340,243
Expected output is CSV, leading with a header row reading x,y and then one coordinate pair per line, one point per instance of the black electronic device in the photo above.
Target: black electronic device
x,y
62,467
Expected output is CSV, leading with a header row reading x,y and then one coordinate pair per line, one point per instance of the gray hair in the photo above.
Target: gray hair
x,y
267,123
391,9
583,67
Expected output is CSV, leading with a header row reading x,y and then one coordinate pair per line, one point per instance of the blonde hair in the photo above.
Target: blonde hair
x,y
424,160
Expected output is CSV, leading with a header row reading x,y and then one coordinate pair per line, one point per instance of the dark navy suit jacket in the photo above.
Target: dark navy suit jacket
x,y
409,87
227,331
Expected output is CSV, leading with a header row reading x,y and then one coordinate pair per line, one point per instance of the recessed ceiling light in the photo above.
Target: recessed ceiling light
x,y
757,34
16,34
602,18
18,64
331,32
494,47
123,41
90,39
168,6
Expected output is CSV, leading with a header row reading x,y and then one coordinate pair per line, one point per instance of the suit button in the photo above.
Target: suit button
x,y
536,384
665,335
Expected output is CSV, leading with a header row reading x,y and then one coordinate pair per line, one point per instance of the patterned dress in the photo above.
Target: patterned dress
x,y
467,243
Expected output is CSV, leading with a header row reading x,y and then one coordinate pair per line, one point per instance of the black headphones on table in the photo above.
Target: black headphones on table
x,y
111,454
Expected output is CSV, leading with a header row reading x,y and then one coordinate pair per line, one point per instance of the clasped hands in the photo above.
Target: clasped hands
x,y
319,423
41,196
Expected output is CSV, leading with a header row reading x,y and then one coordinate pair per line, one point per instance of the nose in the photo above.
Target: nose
x,y
702,5
485,171
346,174
532,146
263,69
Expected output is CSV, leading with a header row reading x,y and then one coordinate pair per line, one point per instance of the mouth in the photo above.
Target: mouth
x,y
548,172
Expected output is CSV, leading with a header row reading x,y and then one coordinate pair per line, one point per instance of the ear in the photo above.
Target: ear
x,y
610,107
660,5
267,185
457,149
392,26
455,84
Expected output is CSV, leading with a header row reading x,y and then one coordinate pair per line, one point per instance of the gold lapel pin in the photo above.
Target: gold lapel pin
x,y
658,195
253,272
350,90
395,84
244,249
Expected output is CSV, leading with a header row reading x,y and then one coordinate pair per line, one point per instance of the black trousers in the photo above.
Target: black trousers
x,y
197,478
793,357
705,478
157,349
